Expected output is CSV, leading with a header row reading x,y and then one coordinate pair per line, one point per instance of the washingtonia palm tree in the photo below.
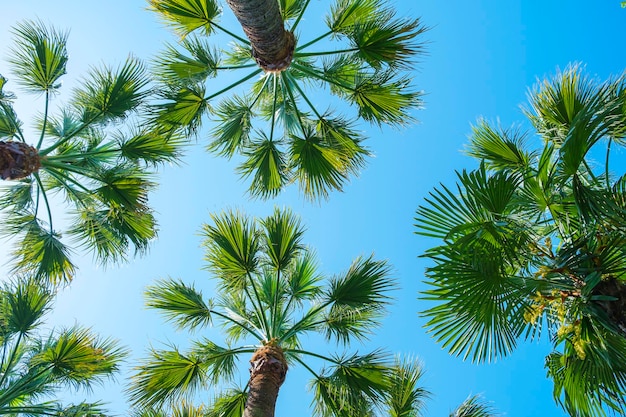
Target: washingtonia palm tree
x,y
35,368
536,238
100,173
269,296
283,135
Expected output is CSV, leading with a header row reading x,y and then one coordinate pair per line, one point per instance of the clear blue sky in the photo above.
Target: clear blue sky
x,y
482,57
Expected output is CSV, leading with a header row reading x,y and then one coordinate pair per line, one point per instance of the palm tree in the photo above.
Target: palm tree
x,y
99,172
536,238
276,125
34,368
269,296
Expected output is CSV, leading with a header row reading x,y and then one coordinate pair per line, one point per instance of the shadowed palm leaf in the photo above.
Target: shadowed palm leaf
x,y
99,173
363,59
537,237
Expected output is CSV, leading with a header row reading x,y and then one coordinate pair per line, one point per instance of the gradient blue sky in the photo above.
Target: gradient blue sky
x,y
482,58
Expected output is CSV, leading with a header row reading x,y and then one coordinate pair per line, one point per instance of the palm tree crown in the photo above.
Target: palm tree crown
x,y
276,127
536,238
269,295
35,368
100,173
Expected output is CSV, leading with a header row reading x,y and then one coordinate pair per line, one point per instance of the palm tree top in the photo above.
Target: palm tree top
x,y
269,295
363,57
91,156
533,239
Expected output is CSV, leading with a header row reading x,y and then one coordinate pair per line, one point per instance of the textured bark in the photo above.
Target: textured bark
x,y
272,45
18,160
268,369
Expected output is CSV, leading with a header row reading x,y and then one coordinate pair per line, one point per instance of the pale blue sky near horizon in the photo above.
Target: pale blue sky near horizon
x,y
482,56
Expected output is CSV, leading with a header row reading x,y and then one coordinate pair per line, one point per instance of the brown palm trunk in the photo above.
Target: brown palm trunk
x,y
268,369
18,160
272,45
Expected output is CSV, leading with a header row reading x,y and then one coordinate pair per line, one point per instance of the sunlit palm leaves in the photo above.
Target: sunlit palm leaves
x,y
83,160
279,126
268,293
34,369
536,237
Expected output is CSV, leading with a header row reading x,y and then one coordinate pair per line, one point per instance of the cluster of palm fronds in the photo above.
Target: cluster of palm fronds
x,y
537,238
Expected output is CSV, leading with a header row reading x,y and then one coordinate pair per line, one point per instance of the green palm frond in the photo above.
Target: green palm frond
x,y
221,361
41,253
10,125
179,303
150,146
489,322
474,406
291,9
23,305
39,57
349,387
230,403
388,41
345,14
303,282
110,94
200,64
499,148
188,15
282,238
382,99
232,133
181,106
267,165
232,246
406,397
168,376
78,357
365,284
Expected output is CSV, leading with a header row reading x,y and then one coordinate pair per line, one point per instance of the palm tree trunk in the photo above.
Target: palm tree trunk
x,y
272,45
268,369
18,160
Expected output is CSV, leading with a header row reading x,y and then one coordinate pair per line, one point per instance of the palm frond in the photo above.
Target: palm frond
x,y
78,357
282,238
474,406
173,65
405,396
151,146
382,99
499,148
168,376
232,132
110,94
179,303
267,164
229,403
23,304
39,57
388,41
366,284
232,246
41,253
188,15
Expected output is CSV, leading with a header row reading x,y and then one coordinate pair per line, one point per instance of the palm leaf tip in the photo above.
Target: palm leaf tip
x,y
188,15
